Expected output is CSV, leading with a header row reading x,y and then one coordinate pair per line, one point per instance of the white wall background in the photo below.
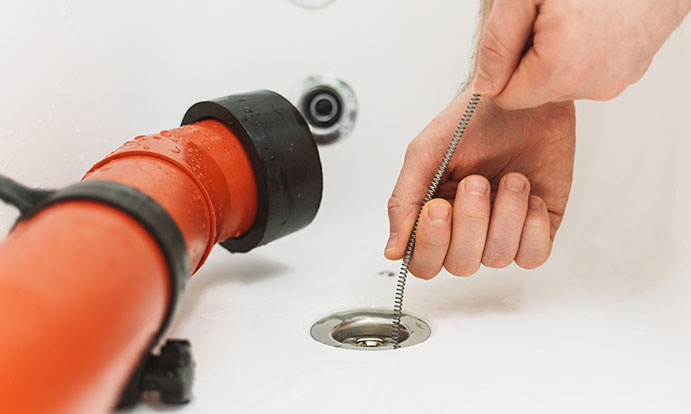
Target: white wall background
x,y
80,77
603,327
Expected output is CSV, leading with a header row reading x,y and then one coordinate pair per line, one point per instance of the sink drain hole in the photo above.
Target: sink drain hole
x,y
366,333
368,329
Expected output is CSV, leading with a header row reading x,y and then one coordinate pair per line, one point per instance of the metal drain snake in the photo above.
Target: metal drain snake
x,y
403,274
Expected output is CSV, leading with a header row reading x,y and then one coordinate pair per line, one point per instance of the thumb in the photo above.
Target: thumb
x,y
503,39
531,75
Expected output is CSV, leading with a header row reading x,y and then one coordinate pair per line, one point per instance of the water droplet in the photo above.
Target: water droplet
x,y
272,157
146,147
157,137
247,110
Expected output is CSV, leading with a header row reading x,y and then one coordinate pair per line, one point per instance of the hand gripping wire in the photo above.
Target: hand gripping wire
x,y
403,274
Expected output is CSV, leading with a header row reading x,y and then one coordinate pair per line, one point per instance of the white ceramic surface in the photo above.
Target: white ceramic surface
x,y
604,326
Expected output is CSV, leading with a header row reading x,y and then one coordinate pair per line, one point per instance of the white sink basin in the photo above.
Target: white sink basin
x,y
604,326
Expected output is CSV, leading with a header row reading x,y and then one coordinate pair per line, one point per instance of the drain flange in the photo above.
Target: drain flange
x,y
368,329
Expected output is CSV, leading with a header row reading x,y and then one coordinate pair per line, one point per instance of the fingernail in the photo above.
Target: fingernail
x,y
515,182
439,212
475,185
534,203
391,244
483,84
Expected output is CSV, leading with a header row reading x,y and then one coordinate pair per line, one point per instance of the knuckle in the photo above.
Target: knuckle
x,y
474,215
422,272
415,147
492,50
495,263
461,269
565,80
535,259
528,263
611,92
394,202
531,262
425,242
560,87
535,222
638,73
496,259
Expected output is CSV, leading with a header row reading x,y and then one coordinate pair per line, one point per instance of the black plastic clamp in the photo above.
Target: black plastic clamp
x,y
284,158
171,373
175,362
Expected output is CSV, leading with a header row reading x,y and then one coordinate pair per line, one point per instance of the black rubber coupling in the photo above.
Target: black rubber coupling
x,y
284,158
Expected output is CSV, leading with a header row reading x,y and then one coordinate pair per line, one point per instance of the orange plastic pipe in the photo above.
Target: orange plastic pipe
x,y
84,287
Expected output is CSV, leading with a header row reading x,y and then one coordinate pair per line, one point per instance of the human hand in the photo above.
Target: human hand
x,y
519,164
536,51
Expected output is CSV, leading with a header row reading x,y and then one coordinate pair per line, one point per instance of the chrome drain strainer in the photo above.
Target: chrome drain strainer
x,y
368,329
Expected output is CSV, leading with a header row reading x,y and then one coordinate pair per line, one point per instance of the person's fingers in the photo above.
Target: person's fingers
x,y
470,221
506,223
536,243
432,239
503,39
